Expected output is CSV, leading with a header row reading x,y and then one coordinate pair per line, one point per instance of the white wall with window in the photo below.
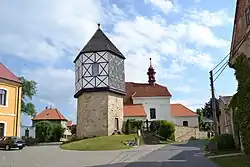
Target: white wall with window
x,y
3,97
191,121
156,108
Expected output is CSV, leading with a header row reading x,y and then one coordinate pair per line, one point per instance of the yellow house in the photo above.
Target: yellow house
x,y
10,103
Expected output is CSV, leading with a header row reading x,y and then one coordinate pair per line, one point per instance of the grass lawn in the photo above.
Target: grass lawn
x,y
115,142
232,161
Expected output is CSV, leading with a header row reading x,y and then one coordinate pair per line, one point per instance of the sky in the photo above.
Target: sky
x,y
184,38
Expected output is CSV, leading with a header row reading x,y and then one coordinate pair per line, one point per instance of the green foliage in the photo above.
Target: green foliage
x,y
44,131
242,111
201,119
49,132
57,132
225,142
207,110
166,129
29,89
155,125
132,126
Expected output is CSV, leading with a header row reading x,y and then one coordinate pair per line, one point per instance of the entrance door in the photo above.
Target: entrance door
x,y
2,126
117,123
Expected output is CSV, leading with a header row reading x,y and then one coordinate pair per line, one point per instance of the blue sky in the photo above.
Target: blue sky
x,y
185,39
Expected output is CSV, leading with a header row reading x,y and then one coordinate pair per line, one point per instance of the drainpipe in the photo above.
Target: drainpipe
x,y
17,112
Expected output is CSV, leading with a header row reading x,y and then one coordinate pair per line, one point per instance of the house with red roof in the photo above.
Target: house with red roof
x,y
53,115
10,102
152,101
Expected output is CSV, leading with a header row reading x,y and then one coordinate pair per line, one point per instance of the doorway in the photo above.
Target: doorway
x,y
2,129
116,123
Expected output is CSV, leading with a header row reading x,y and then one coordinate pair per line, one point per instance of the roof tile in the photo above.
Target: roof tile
x,y
134,110
5,73
143,90
179,110
49,114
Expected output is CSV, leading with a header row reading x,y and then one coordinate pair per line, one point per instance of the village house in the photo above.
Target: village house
x,y
225,118
241,29
10,103
53,115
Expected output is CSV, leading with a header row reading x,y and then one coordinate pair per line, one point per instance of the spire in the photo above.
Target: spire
x,y
150,65
100,42
151,74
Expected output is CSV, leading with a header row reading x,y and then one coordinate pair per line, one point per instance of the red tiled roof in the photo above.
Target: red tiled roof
x,y
69,123
5,73
49,114
134,110
143,90
178,110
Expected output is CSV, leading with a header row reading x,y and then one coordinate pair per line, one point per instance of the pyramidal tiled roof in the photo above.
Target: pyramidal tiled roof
x,y
5,73
100,42
50,114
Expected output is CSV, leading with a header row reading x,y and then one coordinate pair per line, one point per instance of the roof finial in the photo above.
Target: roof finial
x,y
150,62
98,25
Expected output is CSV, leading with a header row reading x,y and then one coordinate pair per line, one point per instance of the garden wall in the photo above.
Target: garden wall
x,y
183,133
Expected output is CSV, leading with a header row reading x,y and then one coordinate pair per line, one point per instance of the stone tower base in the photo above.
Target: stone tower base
x,y
99,114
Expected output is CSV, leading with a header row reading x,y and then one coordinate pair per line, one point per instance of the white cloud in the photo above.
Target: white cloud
x,y
165,5
210,19
64,24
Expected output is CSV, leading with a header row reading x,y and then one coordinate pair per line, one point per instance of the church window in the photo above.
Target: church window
x,y
152,113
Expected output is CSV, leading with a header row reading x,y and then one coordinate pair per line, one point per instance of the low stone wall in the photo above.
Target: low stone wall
x,y
183,133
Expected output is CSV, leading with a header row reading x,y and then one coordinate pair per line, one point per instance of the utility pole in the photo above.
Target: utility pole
x,y
213,104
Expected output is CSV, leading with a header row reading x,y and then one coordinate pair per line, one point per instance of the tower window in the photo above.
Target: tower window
x,y
3,97
95,69
185,123
152,113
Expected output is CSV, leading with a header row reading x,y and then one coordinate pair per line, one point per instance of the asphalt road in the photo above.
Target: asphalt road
x,y
187,154
175,155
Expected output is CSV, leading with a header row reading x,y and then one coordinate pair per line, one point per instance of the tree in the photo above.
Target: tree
x,y
208,113
200,113
29,90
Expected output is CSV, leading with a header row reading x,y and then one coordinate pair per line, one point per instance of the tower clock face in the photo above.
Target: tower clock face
x,y
99,70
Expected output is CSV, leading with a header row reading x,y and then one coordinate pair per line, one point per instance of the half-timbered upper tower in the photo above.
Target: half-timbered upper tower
x,y
99,87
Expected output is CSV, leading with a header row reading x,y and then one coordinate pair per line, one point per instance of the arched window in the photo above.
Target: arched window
x,y
2,129
3,97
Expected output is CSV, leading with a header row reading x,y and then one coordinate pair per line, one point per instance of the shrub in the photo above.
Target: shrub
x,y
225,141
132,125
166,129
154,126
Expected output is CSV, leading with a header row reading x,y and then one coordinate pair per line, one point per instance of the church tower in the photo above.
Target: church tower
x,y
151,74
99,87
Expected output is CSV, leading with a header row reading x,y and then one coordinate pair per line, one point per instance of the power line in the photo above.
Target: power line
x,y
223,67
238,44
221,71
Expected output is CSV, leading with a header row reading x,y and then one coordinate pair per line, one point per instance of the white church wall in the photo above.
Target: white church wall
x,y
192,121
160,104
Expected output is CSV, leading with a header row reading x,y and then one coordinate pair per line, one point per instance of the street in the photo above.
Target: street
x,y
174,155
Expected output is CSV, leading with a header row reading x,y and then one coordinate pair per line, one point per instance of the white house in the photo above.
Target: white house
x,y
155,100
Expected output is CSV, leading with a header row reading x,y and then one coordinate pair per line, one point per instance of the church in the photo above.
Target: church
x,y
105,100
